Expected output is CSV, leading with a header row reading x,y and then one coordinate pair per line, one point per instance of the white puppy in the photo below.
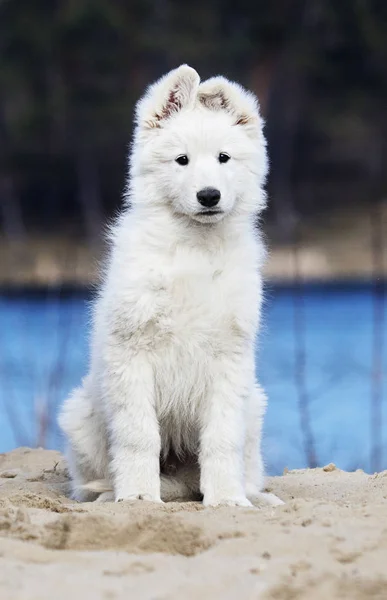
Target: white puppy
x,y
171,406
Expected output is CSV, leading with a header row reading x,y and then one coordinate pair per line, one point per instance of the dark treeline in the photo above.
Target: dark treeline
x,y
71,70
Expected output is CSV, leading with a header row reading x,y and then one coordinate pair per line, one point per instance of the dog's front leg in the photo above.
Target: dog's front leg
x,y
133,430
222,442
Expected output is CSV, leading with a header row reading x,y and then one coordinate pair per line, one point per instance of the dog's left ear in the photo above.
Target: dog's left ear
x,y
166,97
218,93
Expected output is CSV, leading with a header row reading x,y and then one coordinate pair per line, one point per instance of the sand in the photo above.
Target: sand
x,y
328,541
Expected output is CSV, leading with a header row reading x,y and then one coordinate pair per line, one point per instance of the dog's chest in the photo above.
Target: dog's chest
x,y
211,305
209,310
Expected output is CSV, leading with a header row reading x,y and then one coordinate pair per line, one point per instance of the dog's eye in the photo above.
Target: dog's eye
x,y
182,160
223,157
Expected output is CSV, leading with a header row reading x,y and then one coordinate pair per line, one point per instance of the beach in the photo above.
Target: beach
x,y
329,540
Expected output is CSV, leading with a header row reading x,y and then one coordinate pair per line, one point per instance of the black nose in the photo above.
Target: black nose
x,y
208,197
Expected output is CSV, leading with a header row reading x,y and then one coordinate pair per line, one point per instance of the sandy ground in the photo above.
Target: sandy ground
x,y
328,541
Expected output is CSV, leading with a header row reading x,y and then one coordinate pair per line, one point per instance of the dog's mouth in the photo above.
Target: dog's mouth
x,y
209,213
208,217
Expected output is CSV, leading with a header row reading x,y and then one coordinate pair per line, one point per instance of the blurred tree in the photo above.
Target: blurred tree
x,y
71,70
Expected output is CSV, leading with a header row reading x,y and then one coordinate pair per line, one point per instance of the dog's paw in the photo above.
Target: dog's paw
x,y
232,501
146,497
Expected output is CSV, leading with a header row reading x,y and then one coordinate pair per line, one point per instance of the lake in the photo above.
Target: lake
x,y
315,351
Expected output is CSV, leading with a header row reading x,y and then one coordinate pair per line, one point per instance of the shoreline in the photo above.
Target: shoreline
x,y
336,247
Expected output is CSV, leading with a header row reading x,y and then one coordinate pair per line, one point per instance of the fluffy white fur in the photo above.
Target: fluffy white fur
x,y
170,406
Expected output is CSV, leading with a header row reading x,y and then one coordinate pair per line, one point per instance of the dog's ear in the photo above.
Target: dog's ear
x,y
163,99
218,93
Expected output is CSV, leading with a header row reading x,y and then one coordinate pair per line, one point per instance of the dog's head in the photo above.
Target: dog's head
x,y
199,147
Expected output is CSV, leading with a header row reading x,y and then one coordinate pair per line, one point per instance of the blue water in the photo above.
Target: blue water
x,y
43,354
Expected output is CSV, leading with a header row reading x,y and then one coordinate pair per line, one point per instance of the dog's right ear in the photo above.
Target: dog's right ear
x,y
167,96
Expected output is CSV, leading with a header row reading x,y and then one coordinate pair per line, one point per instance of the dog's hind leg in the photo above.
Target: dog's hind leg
x,y
80,472
183,485
86,442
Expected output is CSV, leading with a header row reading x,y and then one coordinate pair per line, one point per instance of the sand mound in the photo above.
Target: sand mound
x,y
328,541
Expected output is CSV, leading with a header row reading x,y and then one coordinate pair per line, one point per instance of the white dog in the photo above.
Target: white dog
x,y
171,406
